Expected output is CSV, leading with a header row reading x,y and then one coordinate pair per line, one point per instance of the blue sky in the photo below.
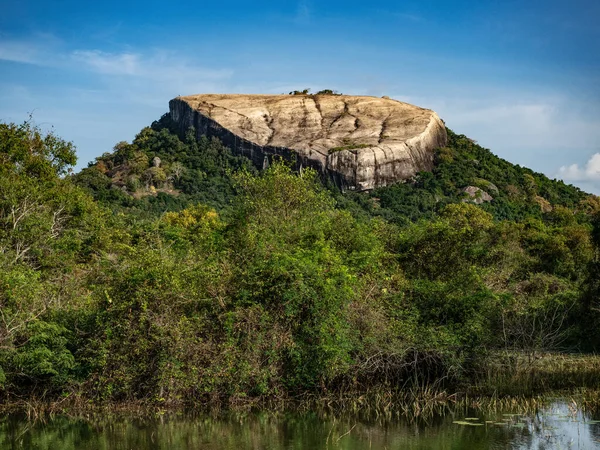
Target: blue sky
x,y
520,77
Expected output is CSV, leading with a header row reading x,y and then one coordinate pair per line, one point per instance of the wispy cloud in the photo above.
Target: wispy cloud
x,y
149,78
589,172
132,87
543,131
514,119
40,51
18,52
107,63
158,66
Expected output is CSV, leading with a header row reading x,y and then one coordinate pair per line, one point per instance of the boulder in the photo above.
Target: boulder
x,y
359,142
476,195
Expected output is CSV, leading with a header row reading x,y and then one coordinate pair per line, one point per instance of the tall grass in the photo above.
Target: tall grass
x,y
513,383
520,375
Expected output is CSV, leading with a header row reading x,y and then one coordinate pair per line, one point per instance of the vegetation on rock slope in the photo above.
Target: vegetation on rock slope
x,y
215,283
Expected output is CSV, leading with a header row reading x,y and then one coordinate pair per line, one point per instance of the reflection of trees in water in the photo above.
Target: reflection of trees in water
x,y
278,431
563,425
595,432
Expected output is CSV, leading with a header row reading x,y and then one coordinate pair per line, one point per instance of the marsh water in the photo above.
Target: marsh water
x,y
559,426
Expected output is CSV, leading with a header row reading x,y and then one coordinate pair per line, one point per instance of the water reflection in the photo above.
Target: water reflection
x,y
559,426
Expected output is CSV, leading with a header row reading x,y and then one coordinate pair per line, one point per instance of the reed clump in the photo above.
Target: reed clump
x,y
520,374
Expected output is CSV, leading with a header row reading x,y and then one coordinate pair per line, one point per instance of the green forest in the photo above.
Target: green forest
x,y
172,272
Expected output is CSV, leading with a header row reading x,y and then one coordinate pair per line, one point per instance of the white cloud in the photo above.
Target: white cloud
x,y
107,63
516,124
157,66
151,78
39,51
542,132
131,87
589,172
18,52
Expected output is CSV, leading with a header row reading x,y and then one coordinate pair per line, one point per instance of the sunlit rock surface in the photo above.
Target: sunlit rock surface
x,y
476,195
360,142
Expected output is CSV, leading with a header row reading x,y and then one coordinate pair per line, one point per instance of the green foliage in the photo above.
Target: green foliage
x,y
328,92
216,284
518,193
41,354
191,171
49,231
322,92
26,149
288,264
590,305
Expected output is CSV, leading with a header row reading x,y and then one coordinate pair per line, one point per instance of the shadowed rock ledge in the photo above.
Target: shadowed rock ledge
x,y
360,142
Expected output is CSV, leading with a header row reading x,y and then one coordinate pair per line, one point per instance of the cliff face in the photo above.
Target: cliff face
x,y
360,142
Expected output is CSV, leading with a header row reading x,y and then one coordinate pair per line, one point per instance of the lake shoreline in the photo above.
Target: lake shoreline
x,y
409,405
527,383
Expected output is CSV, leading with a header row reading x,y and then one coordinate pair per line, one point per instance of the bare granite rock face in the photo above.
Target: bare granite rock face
x,y
360,142
476,195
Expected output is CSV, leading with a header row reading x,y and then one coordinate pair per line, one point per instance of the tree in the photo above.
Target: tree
x,y
155,176
26,149
286,264
177,170
48,227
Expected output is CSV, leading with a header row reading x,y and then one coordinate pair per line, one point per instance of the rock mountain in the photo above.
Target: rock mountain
x,y
360,142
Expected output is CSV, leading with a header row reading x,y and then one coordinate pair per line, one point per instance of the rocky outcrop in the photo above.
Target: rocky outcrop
x,y
476,195
360,142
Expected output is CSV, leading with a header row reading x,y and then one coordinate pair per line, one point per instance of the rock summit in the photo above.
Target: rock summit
x,y
360,142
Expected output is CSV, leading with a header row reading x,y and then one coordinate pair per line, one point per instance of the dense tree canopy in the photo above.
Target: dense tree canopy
x,y
171,271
